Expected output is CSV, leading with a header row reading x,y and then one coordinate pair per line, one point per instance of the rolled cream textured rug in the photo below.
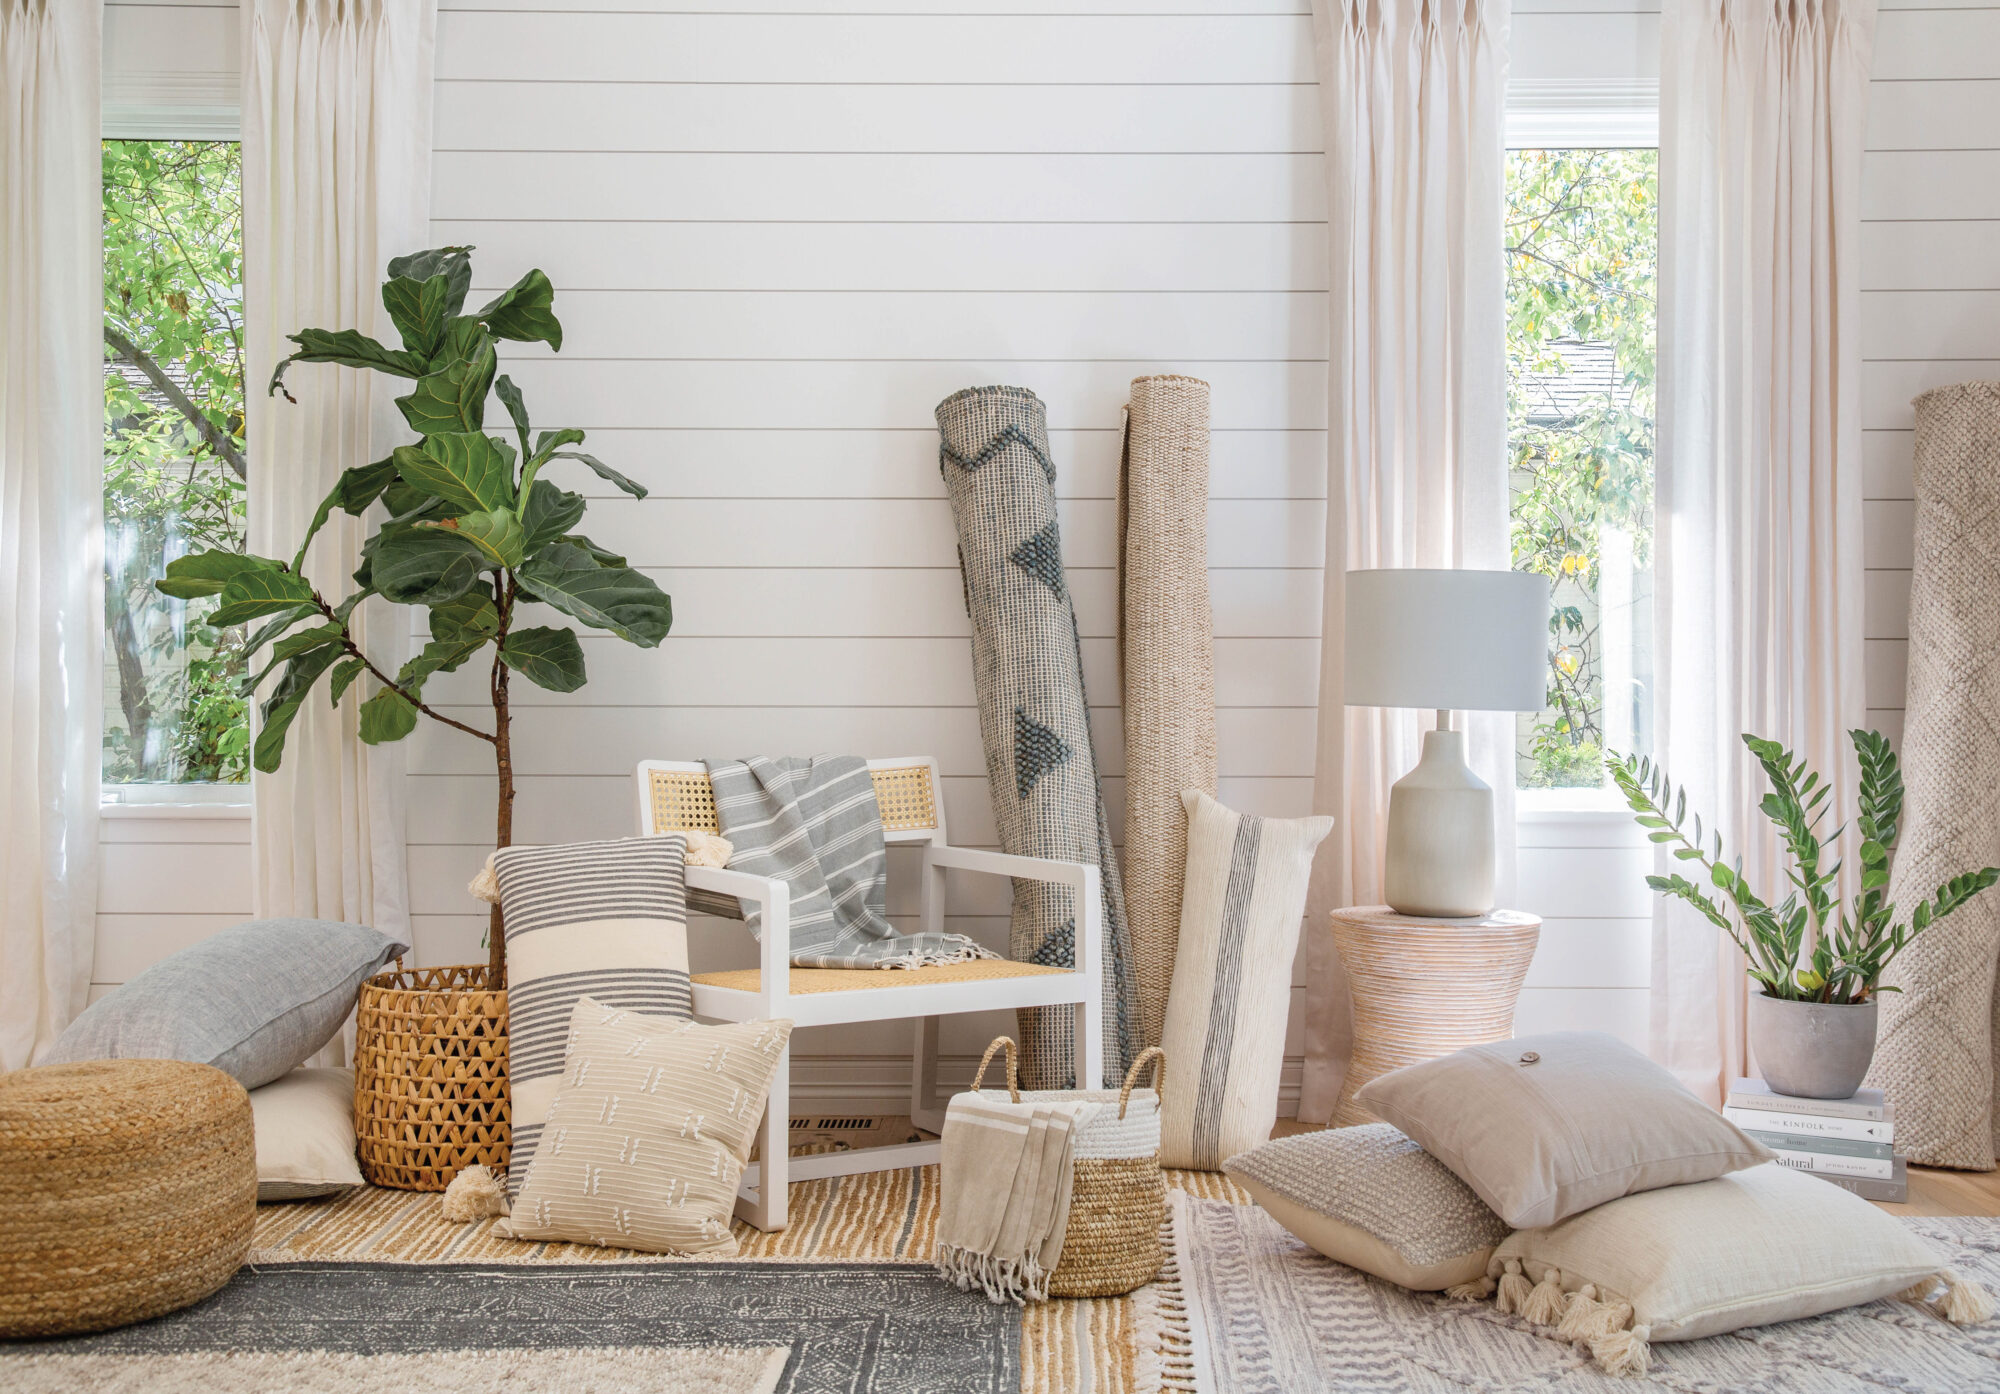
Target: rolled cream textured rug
x,y
1028,670
1936,1055
1166,649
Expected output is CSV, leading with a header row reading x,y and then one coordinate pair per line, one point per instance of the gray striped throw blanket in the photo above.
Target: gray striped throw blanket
x,y
814,824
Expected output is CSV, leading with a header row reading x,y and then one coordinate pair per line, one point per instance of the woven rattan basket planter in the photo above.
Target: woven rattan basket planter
x,y
1119,1198
430,1076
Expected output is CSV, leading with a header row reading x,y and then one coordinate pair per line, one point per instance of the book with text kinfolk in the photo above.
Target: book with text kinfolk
x,y
1813,1124
1827,1164
1819,1146
1754,1093
1896,1189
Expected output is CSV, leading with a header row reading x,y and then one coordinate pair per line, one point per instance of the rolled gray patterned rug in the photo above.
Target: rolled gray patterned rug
x,y
1166,647
1028,670
1936,1056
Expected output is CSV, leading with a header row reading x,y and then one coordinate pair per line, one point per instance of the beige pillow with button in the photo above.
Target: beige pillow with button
x,y
1545,1127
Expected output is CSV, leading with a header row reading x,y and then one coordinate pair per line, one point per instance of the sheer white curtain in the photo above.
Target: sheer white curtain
x,y
51,515
1412,105
1758,534
336,180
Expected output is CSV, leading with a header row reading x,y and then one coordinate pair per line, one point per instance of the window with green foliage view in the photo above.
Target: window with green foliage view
x,y
1582,256
174,467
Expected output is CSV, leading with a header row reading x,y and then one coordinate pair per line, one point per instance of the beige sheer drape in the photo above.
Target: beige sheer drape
x,y
1758,534
1411,101
51,515
336,180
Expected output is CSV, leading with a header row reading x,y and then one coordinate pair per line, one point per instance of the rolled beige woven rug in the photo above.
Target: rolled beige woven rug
x,y
1936,1055
1166,649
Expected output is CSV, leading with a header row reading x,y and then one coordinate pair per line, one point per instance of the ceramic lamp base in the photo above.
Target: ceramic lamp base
x,y
1440,860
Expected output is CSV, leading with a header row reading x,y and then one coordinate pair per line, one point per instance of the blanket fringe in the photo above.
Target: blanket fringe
x,y
1015,1280
1584,1317
1477,1291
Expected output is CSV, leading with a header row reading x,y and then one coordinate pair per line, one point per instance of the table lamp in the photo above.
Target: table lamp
x,y
1452,641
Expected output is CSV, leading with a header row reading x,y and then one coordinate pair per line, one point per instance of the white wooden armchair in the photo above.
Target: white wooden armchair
x,y
675,796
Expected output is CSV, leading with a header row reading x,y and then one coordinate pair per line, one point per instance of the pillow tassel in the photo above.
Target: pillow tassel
x,y
1965,1302
1476,1291
1624,1352
1544,1305
474,1194
1581,1315
1513,1289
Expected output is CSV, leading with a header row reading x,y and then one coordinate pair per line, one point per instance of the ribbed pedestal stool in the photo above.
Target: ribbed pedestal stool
x,y
128,1188
1422,988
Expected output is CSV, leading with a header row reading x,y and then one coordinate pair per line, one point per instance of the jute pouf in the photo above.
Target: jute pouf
x,y
128,1188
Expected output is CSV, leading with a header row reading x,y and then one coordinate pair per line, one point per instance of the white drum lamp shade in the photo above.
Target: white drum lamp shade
x,y
1452,641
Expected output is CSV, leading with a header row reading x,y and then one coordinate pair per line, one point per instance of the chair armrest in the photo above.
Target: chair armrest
x,y
1081,877
774,900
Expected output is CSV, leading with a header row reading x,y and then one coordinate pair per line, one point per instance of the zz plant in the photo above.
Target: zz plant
x,y
473,533
1809,947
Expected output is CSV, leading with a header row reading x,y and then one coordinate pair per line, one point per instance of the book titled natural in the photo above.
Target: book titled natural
x,y
1811,1124
1832,1164
1754,1093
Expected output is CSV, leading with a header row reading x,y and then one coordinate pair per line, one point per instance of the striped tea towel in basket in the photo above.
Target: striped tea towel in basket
x,y
1109,1240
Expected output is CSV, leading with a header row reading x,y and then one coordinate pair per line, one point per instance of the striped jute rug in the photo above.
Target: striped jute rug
x,y
1113,1345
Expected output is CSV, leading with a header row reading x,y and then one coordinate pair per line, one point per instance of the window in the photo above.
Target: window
x,y
1582,253
174,467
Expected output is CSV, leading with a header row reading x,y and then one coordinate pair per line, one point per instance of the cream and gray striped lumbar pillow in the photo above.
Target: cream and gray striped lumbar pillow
x,y
649,1131
1225,1032
608,919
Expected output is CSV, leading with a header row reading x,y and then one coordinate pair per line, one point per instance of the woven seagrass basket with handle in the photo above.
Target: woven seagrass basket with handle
x,y
1119,1198
430,1076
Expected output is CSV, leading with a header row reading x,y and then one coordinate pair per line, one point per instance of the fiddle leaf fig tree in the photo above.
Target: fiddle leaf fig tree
x,y
474,533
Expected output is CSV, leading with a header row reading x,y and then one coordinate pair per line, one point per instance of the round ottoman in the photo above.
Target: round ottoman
x,y
128,1188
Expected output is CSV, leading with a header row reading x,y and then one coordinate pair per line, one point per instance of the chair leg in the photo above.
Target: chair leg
x,y
925,1111
774,1143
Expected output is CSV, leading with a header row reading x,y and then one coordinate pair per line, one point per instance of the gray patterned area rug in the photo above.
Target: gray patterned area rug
x,y
1270,1316
702,1328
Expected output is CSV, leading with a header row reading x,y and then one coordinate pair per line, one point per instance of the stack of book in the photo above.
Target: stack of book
x,y
1845,1141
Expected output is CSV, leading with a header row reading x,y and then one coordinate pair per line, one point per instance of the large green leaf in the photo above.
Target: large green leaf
x,y
422,566
284,702
604,597
452,396
407,503
497,534
548,513
510,398
603,556
453,263
306,640
344,673
387,716
604,472
465,468
363,484
523,312
278,624
417,308
260,591
206,573
471,616
350,348
550,658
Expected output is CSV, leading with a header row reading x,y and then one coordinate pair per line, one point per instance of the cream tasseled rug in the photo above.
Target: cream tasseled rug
x,y
1115,1345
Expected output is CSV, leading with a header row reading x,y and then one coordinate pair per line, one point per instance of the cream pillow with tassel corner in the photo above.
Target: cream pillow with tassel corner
x,y
1241,904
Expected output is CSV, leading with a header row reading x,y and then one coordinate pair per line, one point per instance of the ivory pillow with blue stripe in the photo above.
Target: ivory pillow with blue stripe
x,y
605,920
1241,903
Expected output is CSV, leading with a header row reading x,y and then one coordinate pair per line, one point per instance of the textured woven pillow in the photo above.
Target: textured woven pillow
x,y
1225,1031
254,1001
1372,1199
1759,1246
305,1135
649,1131
607,919
1543,1127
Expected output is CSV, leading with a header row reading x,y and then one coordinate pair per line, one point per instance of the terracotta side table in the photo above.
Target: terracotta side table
x,y
1426,987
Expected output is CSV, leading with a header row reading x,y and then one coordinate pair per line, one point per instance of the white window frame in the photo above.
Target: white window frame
x,y
173,106
1553,114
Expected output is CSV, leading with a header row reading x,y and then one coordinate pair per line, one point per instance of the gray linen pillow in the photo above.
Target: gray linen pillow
x,y
255,1001
1544,1127
1372,1199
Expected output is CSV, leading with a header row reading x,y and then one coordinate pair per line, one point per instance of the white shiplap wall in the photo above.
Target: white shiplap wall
x,y
781,231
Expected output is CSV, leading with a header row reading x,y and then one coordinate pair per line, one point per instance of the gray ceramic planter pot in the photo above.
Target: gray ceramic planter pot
x,y
1812,1049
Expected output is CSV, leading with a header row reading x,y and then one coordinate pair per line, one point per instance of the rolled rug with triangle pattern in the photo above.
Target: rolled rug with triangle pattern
x,y
1028,672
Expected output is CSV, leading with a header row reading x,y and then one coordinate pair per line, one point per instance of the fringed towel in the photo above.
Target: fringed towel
x,y
1003,1193
814,824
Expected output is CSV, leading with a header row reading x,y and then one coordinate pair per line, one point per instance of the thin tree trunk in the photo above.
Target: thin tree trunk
x,y
132,695
503,759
